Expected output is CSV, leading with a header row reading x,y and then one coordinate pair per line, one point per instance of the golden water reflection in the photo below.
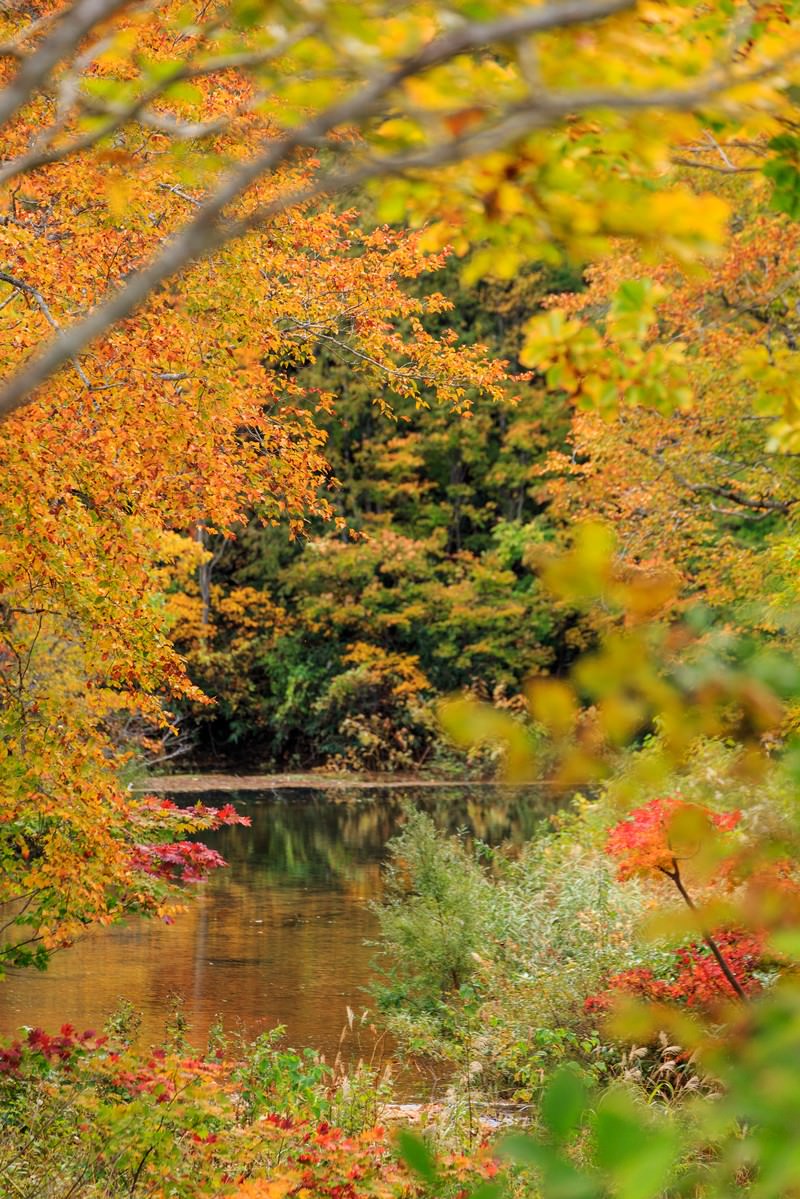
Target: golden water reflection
x,y
277,938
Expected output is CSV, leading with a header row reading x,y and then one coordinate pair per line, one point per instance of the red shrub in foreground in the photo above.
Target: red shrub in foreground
x,y
171,1122
51,1048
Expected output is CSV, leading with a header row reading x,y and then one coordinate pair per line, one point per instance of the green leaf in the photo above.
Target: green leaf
x,y
632,295
632,308
247,13
563,1103
637,1151
560,1178
488,1190
416,1154
524,1150
469,722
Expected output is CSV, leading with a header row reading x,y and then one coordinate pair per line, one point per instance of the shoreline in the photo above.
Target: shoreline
x,y
187,784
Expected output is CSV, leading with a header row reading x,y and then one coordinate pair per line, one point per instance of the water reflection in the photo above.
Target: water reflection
x,y
279,937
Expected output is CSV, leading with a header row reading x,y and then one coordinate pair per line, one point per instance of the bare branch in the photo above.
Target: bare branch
x,y
409,372
44,153
746,507
209,229
41,304
757,504
178,191
68,32
13,49
714,166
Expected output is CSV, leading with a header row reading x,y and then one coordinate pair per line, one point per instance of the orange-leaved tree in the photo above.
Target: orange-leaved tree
x,y
184,418
527,129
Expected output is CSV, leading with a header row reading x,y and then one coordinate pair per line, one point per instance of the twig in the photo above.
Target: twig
x,y
675,875
41,303
178,191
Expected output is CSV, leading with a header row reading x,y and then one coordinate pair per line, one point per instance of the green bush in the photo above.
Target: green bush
x,y
434,917
487,958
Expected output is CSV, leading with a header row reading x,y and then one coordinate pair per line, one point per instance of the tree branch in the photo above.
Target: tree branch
x,y
44,153
41,304
675,876
208,230
69,30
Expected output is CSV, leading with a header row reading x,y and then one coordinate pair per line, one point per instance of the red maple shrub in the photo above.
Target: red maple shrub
x,y
659,838
653,837
695,980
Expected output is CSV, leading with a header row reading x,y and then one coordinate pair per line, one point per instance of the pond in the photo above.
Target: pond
x,y
281,936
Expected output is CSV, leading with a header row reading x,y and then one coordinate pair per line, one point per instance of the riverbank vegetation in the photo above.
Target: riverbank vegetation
x,y
411,388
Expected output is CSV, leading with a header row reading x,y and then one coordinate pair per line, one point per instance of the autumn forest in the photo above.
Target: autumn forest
x,y
399,602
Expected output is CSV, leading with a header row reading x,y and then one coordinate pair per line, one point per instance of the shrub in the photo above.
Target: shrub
x,y
434,917
488,959
95,1117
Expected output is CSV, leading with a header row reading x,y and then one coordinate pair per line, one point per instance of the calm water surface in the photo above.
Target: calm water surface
x,y
277,938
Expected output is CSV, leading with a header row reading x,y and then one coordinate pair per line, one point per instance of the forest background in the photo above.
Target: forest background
x,y
334,649
310,378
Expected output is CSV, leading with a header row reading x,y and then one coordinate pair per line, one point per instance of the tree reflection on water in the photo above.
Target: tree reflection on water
x,y
279,937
